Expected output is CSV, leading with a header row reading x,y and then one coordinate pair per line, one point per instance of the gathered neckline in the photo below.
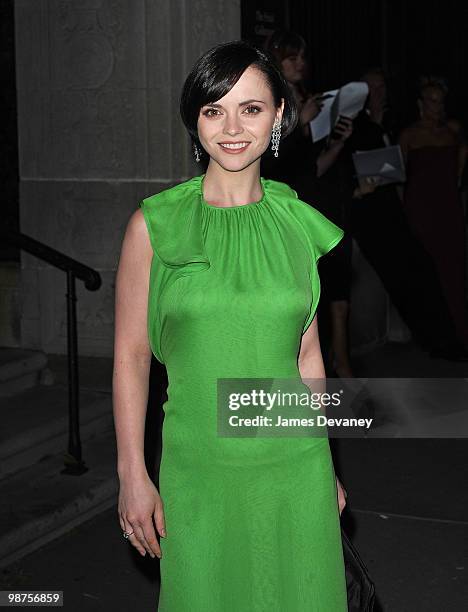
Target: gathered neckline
x,y
237,207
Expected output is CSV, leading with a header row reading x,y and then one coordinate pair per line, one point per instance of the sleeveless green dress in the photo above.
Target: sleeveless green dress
x,y
252,523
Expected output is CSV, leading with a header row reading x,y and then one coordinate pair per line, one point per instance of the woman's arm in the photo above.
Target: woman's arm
x,y
404,141
310,364
456,127
139,500
310,360
132,354
462,157
329,155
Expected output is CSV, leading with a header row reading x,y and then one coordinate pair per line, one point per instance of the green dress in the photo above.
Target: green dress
x,y
252,523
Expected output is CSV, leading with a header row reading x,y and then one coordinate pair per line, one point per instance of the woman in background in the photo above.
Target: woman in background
x,y
407,273
319,176
435,152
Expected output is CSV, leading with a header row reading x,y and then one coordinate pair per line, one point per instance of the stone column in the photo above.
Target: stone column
x,y
98,86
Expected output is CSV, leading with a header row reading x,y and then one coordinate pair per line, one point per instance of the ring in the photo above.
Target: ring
x,y
126,534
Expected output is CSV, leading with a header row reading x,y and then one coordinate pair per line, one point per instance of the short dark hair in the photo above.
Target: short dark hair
x,y
373,71
217,71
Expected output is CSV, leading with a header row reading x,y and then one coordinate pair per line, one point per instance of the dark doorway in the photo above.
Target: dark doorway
x,y
9,136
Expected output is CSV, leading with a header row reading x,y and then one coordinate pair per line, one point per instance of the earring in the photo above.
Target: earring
x,y
276,137
196,152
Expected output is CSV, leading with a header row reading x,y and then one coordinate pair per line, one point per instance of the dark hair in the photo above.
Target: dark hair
x,y
284,43
373,71
218,70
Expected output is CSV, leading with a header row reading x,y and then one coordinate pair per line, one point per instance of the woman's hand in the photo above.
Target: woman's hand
x,y
328,156
341,132
367,185
139,503
342,495
310,109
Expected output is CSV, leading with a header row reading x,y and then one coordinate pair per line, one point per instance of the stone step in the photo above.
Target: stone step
x,y
35,424
20,369
38,504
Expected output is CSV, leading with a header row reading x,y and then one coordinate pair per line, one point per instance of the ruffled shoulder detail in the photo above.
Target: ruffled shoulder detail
x,y
318,234
173,219
321,234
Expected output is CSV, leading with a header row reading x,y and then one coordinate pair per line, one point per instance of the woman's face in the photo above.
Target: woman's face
x,y
432,103
377,89
293,67
236,129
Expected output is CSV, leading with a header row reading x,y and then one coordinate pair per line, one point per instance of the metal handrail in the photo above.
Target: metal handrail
x,y
90,277
74,464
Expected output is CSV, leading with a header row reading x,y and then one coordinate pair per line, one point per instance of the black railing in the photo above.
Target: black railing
x,y
74,463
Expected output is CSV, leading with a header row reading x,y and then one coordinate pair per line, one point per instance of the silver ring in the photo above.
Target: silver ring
x,y
126,534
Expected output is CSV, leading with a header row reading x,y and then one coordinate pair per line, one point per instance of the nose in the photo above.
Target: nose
x,y
232,125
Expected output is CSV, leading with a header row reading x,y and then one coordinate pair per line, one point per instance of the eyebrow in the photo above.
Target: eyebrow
x,y
214,105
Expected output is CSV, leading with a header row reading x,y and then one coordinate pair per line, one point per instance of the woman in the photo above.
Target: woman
x,y
222,269
408,273
320,175
435,154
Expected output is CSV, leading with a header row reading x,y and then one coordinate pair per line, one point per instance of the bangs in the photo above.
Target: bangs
x,y
220,79
291,50
214,76
283,44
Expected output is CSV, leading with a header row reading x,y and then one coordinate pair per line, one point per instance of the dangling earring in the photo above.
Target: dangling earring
x,y
276,137
196,152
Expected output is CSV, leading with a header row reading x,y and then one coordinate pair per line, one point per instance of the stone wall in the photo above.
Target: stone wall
x,y
98,84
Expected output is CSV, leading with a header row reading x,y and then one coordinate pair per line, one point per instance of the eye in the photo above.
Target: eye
x,y
210,112
252,109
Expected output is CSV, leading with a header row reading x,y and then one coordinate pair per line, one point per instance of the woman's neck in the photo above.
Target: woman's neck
x,y
297,92
430,124
376,111
225,188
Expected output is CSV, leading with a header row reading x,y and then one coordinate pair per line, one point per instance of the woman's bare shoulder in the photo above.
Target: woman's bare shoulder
x,y
137,224
410,132
137,235
456,128
454,125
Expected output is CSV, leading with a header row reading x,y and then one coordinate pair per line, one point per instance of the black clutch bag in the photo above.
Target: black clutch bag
x,y
361,590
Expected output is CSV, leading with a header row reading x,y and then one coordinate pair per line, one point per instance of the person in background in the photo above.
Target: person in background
x,y
305,166
385,238
435,151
